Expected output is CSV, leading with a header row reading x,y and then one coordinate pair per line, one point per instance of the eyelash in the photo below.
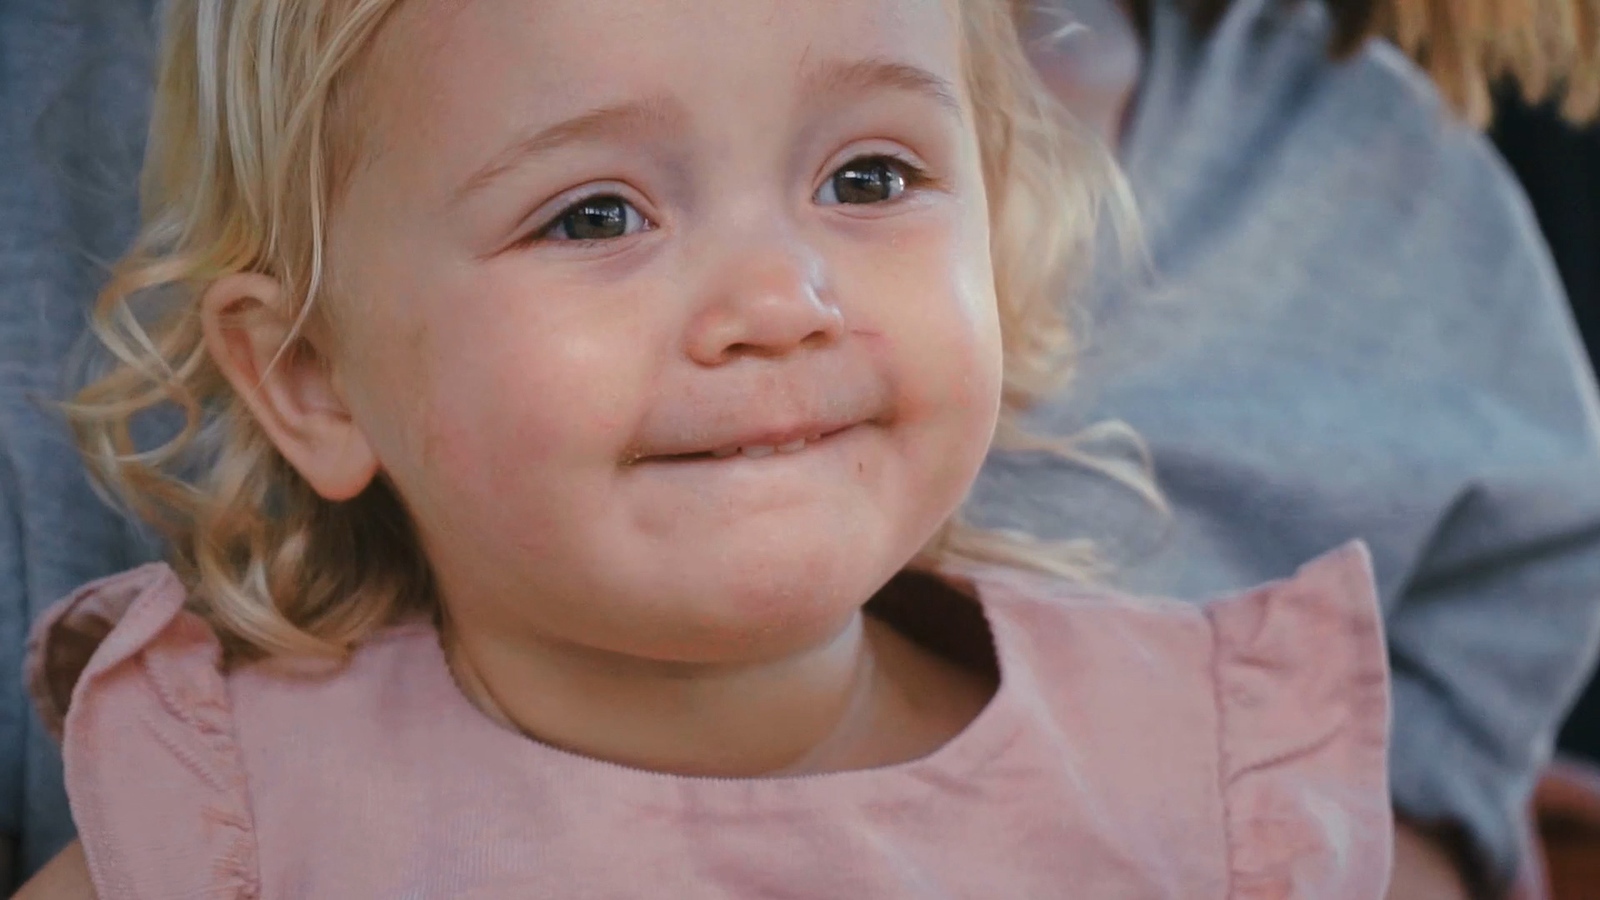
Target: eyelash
x,y
913,176
916,177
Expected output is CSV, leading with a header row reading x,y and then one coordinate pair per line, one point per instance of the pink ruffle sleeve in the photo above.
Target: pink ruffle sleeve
x,y
1303,701
129,681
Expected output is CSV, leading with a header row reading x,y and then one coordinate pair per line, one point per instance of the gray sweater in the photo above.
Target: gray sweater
x,y
75,79
1354,331
1358,335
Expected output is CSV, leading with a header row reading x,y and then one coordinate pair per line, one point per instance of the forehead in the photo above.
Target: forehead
x,y
575,41
465,69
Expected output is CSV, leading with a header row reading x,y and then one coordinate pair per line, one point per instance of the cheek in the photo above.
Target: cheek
x,y
498,401
959,378
944,331
526,401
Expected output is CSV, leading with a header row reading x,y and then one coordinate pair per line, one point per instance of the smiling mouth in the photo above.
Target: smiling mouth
x,y
749,451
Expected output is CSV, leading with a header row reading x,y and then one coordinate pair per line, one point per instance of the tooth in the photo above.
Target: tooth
x,y
793,446
724,453
758,452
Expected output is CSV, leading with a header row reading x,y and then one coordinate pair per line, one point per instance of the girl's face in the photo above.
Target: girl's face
x,y
672,322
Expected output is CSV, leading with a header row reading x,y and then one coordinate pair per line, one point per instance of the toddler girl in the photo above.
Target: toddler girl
x,y
582,392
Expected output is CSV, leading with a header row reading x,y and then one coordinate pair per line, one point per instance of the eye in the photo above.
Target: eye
x,y
602,217
869,179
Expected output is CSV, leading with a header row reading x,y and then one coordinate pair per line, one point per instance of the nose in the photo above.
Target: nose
x,y
764,303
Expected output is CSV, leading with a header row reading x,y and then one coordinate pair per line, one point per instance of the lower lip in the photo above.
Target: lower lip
x,y
703,459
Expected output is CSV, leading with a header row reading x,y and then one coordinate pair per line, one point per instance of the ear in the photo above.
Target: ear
x,y
289,386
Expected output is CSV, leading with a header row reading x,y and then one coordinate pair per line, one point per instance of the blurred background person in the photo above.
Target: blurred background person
x,y
1353,329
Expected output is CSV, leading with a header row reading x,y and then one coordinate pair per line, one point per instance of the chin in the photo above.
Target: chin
x,y
741,607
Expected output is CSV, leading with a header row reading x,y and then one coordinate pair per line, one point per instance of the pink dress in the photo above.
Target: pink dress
x,y
1135,749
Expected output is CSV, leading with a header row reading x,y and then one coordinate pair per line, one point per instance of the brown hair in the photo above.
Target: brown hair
x,y
1549,50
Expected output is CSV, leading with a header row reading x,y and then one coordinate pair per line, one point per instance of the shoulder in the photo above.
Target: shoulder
x,y
130,682
1253,127
161,746
1264,661
1331,602
1277,698
102,625
135,631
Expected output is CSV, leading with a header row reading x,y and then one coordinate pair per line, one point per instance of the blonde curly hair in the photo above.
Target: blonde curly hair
x,y
252,139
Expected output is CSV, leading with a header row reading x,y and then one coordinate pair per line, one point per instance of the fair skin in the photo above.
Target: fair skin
x,y
578,338
1094,71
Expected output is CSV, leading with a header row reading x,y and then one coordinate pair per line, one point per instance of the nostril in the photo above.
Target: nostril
x,y
816,339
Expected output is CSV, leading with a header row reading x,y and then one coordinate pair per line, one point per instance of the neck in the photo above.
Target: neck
x,y
745,720
864,698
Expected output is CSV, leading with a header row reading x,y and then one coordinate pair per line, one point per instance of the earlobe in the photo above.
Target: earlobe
x,y
287,382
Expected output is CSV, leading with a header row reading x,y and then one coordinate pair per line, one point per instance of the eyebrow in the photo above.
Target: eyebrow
x,y
617,120
637,116
868,75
